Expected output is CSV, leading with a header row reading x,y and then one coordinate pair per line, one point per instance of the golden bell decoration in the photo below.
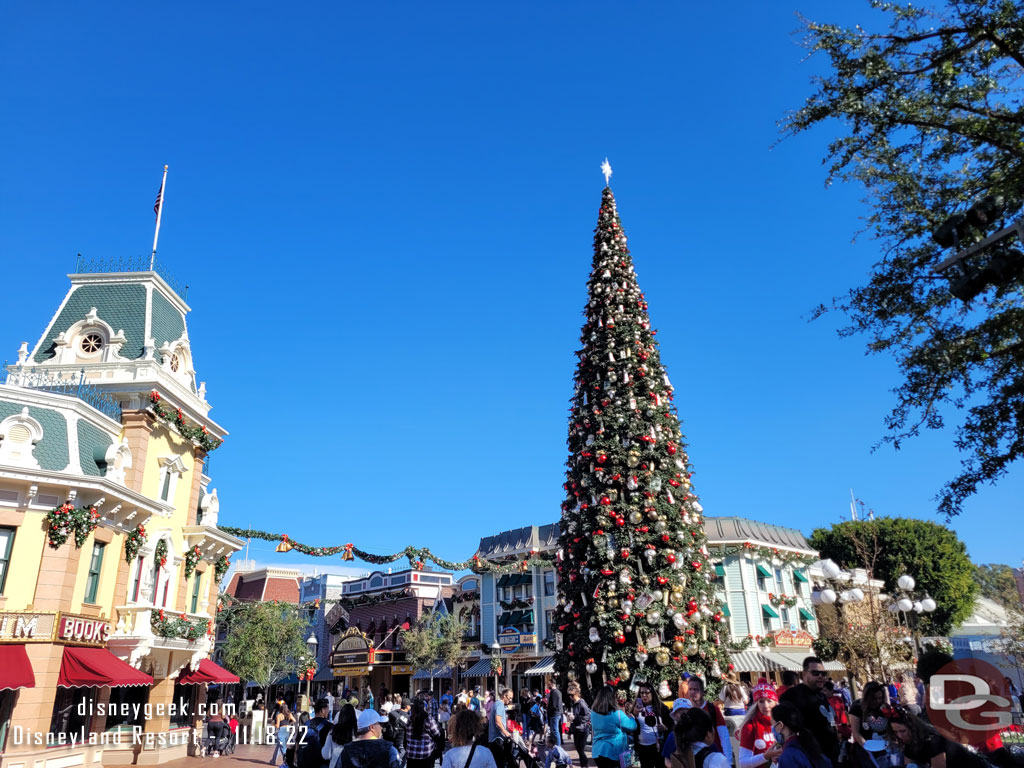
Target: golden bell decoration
x,y
284,546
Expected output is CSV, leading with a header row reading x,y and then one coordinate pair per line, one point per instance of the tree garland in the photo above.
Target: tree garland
x,y
768,553
418,556
180,626
221,567
200,434
745,643
133,542
65,520
385,597
160,553
778,600
192,558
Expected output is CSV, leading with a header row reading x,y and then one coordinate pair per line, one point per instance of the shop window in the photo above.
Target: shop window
x,y
127,706
92,583
6,710
6,545
195,590
71,712
184,705
778,580
549,583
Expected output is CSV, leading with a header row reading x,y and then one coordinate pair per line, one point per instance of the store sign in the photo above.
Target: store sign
x,y
792,638
350,671
80,630
353,650
528,639
27,627
509,640
401,669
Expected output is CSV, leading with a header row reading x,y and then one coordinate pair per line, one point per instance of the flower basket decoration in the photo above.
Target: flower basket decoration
x,y
198,434
495,666
133,542
160,553
192,558
65,520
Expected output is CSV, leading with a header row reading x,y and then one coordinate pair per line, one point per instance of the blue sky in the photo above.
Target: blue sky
x,y
384,212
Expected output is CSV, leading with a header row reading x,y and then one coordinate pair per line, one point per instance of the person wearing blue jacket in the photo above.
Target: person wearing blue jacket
x,y
611,727
799,747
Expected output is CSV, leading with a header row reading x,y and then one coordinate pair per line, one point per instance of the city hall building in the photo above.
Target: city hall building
x,y
109,548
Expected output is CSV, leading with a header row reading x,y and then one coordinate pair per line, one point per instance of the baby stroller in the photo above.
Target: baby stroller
x,y
223,743
520,754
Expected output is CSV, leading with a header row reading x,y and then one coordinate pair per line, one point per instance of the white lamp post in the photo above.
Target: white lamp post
x,y
495,654
311,645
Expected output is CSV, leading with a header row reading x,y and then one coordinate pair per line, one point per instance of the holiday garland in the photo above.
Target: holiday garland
x,y
65,520
160,553
742,645
418,556
221,567
767,553
198,434
192,558
777,600
180,626
133,542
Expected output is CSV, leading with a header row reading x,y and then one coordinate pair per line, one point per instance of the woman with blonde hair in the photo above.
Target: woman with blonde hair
x,y
758,745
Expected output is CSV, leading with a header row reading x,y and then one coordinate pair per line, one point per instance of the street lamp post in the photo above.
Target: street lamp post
x,y
907,603
495,654
311,645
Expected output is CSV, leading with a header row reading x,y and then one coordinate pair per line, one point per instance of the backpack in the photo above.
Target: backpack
x,y
309,753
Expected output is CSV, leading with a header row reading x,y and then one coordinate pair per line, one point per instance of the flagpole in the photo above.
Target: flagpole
x,y
159,213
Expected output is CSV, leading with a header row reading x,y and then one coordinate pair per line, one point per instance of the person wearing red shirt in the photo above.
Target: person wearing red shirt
x,y
757,739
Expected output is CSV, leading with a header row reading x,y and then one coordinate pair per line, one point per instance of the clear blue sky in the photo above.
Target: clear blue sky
x,y
384,211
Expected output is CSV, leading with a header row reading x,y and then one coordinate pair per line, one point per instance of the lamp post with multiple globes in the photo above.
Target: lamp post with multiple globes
x,y
911,605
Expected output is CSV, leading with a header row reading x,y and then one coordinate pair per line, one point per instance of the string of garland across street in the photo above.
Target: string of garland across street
x,y
418,556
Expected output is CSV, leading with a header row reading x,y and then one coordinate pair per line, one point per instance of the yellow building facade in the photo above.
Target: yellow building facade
x,y
110,555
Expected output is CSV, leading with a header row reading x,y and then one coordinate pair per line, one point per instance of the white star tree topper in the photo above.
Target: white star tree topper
x,y
606,169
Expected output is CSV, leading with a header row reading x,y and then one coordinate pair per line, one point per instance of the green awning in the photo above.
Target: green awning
x,y
504,580
504,620
514,618
769,611
523,578
725,610
526,617
799,576
720,570
806,614
764,571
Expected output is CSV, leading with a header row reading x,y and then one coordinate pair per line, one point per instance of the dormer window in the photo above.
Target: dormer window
x,y
91,343
175,362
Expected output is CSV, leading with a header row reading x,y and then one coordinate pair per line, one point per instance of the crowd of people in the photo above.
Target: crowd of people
x,y
809,721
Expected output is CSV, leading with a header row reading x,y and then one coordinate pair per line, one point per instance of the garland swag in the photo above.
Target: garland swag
x,y
65,520
199,434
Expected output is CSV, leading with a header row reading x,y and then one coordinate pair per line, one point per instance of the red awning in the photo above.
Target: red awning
x,y
207,672
93,667
15,668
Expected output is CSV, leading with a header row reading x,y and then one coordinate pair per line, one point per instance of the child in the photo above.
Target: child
x,y
556,753
444,716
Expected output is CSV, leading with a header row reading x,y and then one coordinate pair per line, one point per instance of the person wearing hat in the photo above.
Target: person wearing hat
x,y
757,739
369,750
679,706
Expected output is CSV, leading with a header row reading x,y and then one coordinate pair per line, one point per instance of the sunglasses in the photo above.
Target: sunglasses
x,y
818,672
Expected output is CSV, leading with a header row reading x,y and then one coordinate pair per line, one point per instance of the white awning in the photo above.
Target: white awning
x,y
545,666
796,660
783,661
753,661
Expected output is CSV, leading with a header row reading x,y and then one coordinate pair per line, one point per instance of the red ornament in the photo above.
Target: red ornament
x,y
602,458
666,538
671,449
670,557
620,639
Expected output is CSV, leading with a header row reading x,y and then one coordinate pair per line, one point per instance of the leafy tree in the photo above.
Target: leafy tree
x,y
996,582
930,552
436,640
264,640
930,119
1011,643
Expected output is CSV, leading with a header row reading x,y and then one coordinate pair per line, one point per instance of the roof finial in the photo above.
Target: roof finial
x,y
606,169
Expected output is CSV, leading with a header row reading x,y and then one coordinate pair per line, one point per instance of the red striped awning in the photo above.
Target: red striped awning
x,y
97,667
15,668
207,672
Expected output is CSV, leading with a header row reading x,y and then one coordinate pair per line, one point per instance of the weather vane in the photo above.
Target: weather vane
x,y
606,169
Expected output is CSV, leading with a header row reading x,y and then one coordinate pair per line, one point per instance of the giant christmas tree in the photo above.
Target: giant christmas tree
x,y
634,584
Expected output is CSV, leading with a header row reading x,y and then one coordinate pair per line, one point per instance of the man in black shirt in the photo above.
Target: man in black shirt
x,y
555,713
398,719
815,708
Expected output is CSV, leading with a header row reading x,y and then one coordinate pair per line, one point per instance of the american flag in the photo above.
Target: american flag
x,y
159,200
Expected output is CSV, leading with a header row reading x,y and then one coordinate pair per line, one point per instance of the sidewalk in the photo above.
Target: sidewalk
x,y
246,756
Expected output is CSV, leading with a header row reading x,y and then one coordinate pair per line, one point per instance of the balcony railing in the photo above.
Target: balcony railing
x,y
131,264
67,383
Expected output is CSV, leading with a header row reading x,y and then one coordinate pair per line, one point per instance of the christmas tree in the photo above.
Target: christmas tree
x,y
635,586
